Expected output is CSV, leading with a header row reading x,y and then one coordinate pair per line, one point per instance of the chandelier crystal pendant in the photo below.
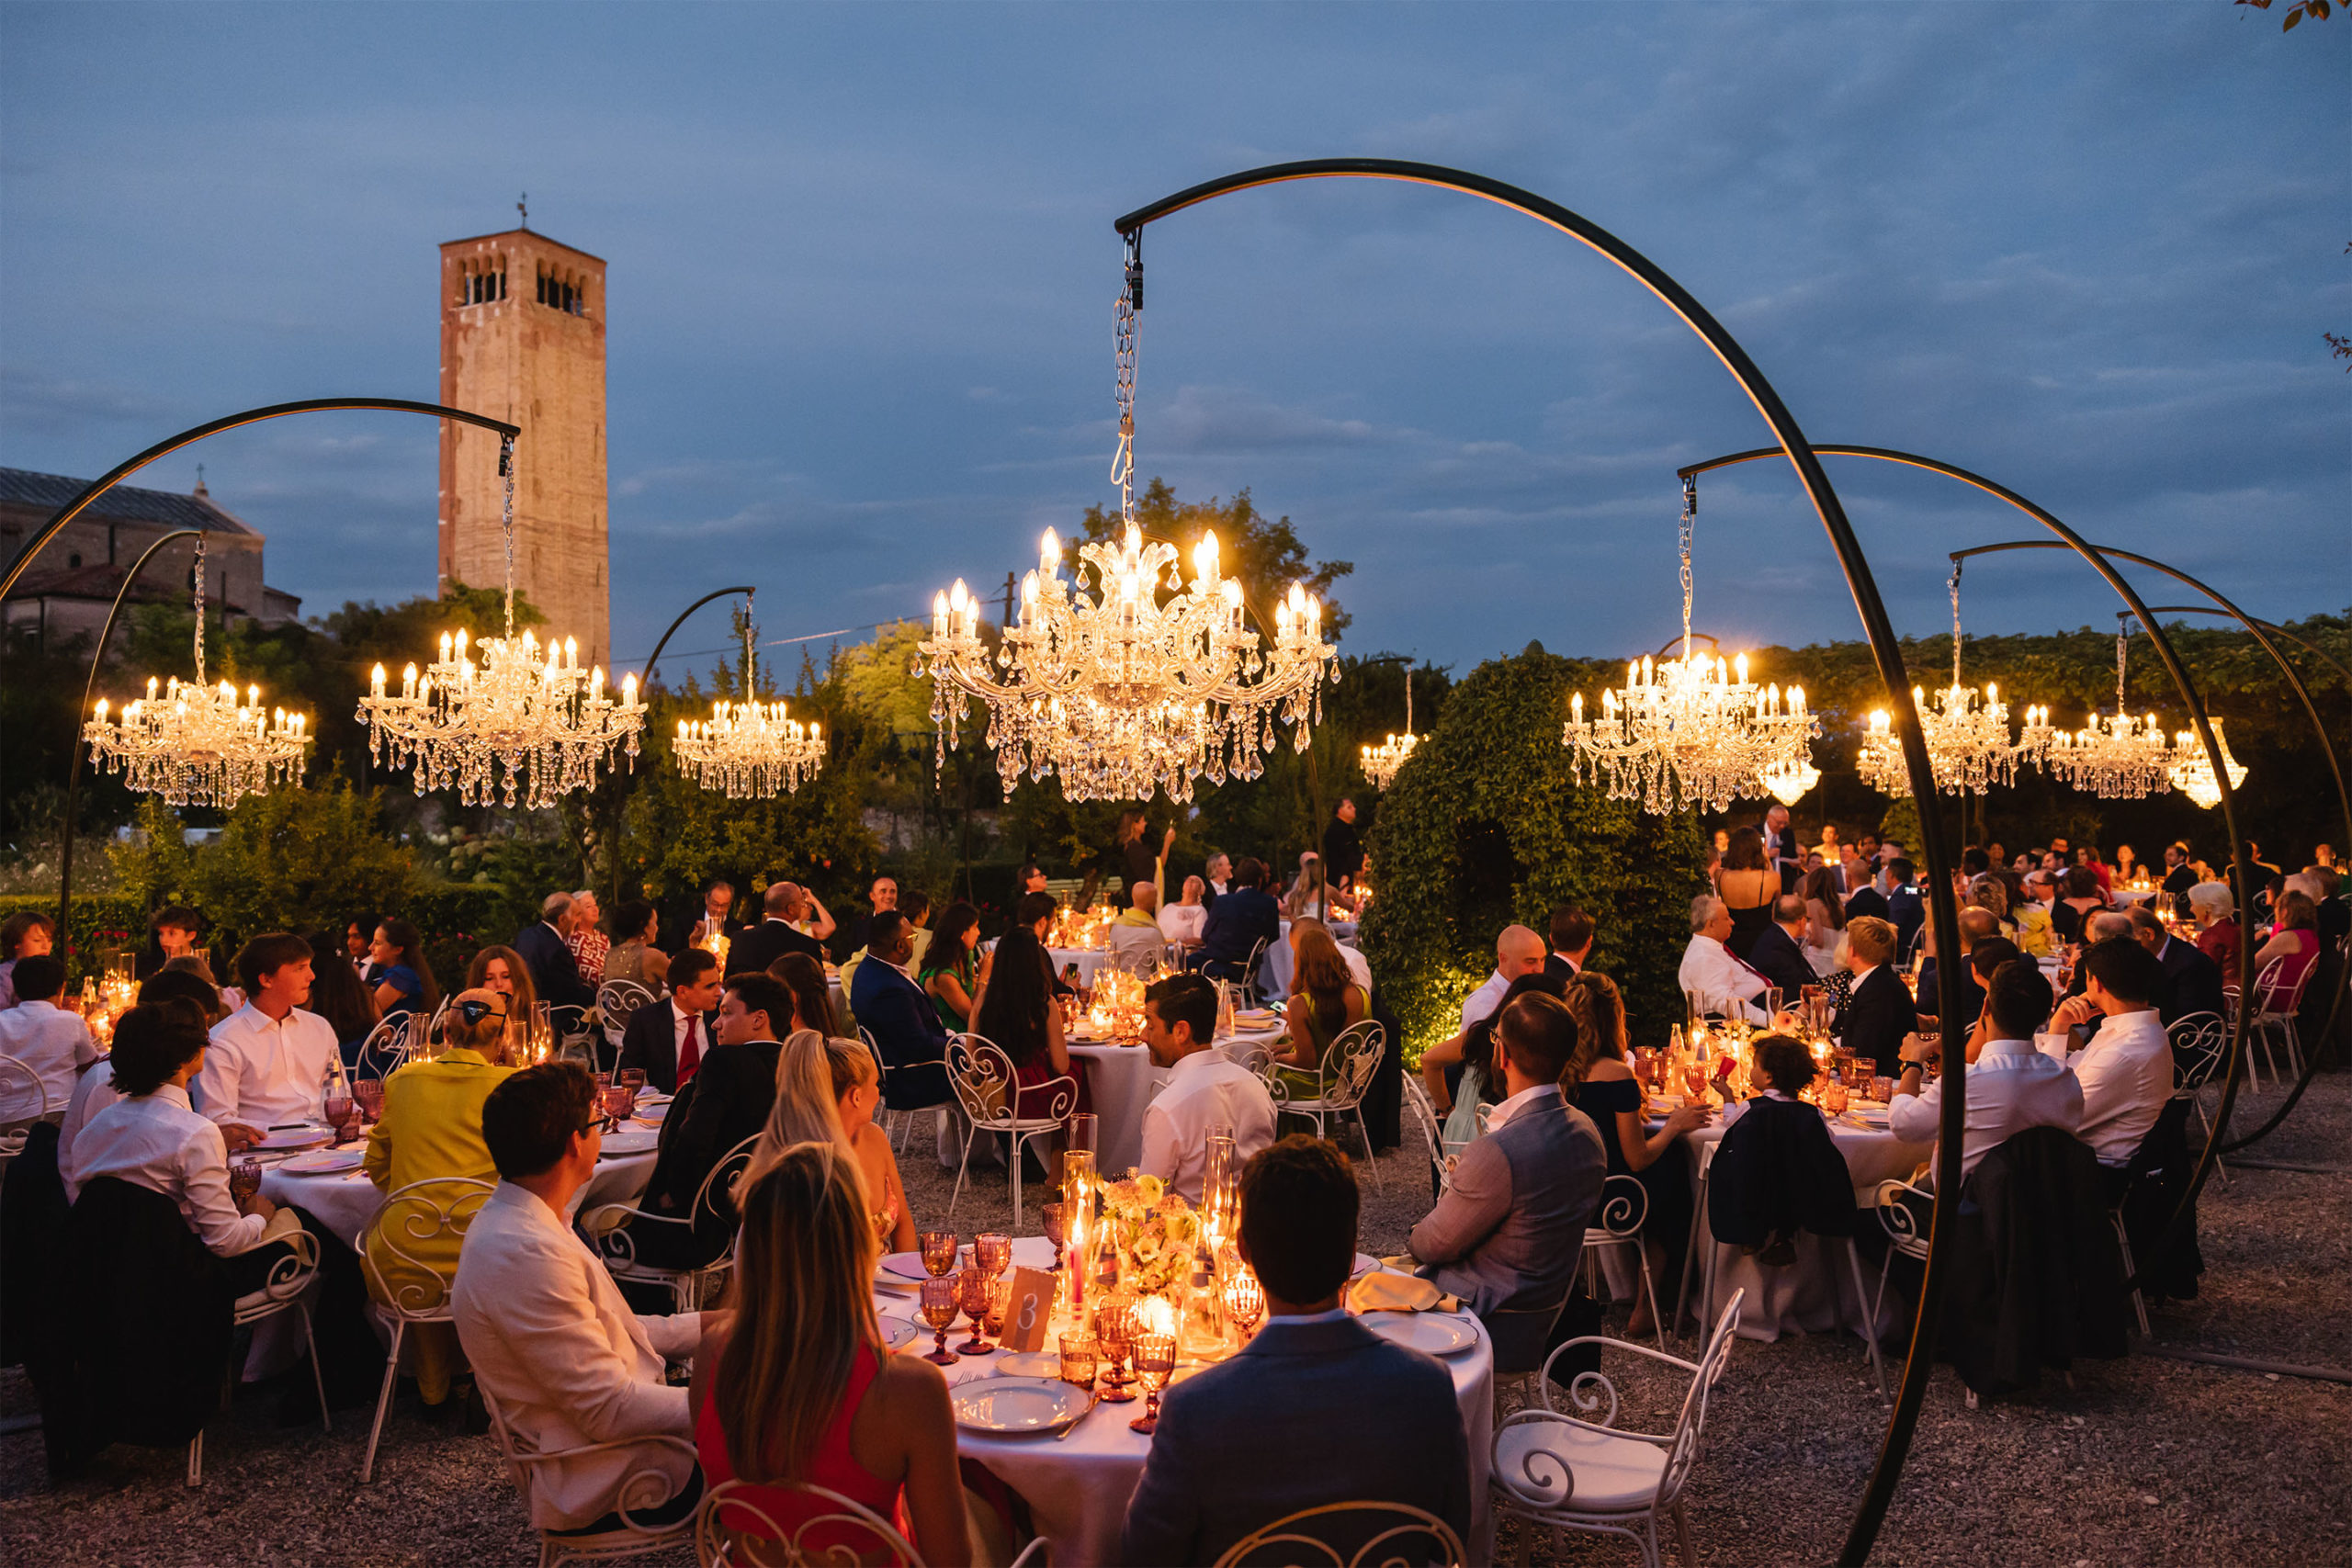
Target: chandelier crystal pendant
x,y
2192,772
1969,744
2120,758
749,749
1691,730
1790,781
1382,761
195,744
527,720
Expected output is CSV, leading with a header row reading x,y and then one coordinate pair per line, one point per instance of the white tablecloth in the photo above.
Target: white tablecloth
x,y
346,1204
1087,959
1120,1081
1077,1489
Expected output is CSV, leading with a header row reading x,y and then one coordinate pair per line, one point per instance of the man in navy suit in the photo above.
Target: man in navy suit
x,y
894,1010
1779,954
1236,924
1905,906
1317,1409
667,1040
555,974
1871,897
1881,1015
773,937
2192,982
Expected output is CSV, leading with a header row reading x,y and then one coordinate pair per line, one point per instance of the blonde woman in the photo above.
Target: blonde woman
x,y
825,1092
1325,1000
795,1386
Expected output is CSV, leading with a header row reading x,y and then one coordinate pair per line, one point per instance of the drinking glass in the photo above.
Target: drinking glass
x,y
342,1113
1883,1089
1771,1000
1085,1130
939,1249
999,1302
1115,1327
972,1294
244,1181
1058,1230
1864,1076
1080,1355
370,1093
1834,1097
1155,1364
993,1252
938,1307
630,1078
1245,1298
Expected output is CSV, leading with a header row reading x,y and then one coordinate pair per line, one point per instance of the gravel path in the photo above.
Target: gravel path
x,y
2148,1462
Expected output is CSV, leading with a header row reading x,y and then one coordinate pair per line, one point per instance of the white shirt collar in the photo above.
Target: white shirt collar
x,y
2008,1048
1863,973
1502,1114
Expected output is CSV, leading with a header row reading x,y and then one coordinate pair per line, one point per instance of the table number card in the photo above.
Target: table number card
x,y
1028,1310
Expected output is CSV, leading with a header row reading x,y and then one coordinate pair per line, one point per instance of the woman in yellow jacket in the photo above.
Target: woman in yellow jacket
x,y
432,1127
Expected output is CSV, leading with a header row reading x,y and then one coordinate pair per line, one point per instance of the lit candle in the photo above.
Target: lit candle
x,y
376,681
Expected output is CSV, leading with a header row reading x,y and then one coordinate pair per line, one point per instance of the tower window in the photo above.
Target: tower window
x,y
74,561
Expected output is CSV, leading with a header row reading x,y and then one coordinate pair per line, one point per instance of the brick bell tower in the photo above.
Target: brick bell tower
x,y
523,340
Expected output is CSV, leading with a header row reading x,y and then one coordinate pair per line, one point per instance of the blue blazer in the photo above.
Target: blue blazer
x,y
555,974
1307,1414
1235,922
908,1032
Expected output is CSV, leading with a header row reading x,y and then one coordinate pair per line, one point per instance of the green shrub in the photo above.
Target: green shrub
x,y
100,923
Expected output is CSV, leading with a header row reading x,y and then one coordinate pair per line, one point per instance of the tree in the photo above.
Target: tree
x,y
1268,557
2316,10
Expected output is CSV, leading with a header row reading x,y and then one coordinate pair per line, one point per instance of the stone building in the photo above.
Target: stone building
x,y
523,340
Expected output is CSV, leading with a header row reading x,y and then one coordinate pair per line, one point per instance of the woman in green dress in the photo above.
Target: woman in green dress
x,y
953,966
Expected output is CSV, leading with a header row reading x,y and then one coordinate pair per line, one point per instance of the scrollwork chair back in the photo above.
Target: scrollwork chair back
x,y
1415,1538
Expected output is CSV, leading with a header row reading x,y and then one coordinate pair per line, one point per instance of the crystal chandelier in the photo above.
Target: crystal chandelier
x,y
1968,746
1789,782
1136,680
2192,774
195,744
1381,761
749,749
525,719
1692,729
2117,758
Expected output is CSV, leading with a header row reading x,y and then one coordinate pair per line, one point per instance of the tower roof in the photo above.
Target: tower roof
x,y
525,233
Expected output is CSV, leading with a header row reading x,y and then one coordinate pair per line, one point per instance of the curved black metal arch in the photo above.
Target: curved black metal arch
x,y
647,679
1885,648
2189,698
2273,627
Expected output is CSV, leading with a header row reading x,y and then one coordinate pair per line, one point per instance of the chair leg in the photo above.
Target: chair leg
x,y
383,1403
1869,1328
196,1459
1689,1258
1649,1291
962,1165
1016,1184
1370,1158
2139,1302
318,1377
1682,1536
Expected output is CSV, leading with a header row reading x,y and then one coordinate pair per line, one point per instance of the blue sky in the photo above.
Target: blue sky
x,y
862,274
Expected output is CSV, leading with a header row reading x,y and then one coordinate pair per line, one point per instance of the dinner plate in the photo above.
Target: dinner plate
x,y
898,1333
1364,1264
631,1141
1045,1364
650,1115
324,1162
1425,1332
1016,1406
305,1136
906,1266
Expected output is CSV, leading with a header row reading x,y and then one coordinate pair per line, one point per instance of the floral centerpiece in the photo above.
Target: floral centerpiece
x,y
1155,1231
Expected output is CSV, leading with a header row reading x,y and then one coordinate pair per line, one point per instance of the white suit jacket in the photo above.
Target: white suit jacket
x,y
550,1337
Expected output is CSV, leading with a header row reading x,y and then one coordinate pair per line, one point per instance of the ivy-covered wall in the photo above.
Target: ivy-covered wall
x,y
1485,825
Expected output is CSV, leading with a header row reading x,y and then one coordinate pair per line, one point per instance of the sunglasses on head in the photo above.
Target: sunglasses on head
x,y
474,1013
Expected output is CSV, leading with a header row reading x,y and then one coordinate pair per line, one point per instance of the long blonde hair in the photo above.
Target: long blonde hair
x,y
1599,1008
1323,978
807,1108
803,1311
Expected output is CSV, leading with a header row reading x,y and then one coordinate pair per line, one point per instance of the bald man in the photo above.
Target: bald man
x,y
1137,943
1518,950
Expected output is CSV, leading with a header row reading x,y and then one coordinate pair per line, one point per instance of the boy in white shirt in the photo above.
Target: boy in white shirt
x,y
54,1044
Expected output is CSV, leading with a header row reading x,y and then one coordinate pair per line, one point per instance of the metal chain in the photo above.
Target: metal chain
x,y
1409,699
1123,462
2122,631
200,540
1955,623
751,691
1689,519
506,468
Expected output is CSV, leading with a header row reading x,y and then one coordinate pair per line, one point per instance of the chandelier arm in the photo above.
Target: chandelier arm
x,y
647,679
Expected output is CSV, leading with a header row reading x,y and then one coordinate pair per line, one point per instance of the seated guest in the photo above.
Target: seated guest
x,y
953,965
2192,982
1517,951
1572,933
2179,877
2027,916
718,905
1030,878
2082,901
555,974
1747,882
1038,912
1183,920
1309,894
905,1025
883,894
1778,1171
784,902
2011,1084
1780,951
1906,905
2087,856
1242,916
403,978
1204,1090
1869,898
545,1329
2213,908
634,958
1991,894
430,1127
1508,1232
665,1040
1217,878
1824,921
95,1090
1325,1002
826,1092
812,994
1015,1012
1874,1022
502,969
1138,944
2294,943
796,1386
1358,965
175,930
22,935
1469,1057
1976,925
725,1102
1316,1409
2126,1070
589,945
270,1060
2333,917
339,996
1710,971
915,904
54,1044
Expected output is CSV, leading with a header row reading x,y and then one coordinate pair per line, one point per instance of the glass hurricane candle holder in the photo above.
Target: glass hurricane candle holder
x,y
1081,1353
1244,1300
938,1306
1155,1364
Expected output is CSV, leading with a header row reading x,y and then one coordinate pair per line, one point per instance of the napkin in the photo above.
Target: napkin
x,y
1380,1291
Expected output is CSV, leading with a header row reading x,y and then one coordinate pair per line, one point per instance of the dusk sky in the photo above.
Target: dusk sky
x,y
861,273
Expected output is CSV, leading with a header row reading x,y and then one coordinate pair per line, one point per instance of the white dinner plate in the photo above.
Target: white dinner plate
x,y
309,1135
1426,1332
906,1266
1364,1264
632,1141
1042,1364
324,1162
650,1114
898,1333
1016,1406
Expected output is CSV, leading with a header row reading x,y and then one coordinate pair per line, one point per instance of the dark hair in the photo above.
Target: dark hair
x,y
2018,997
914,903
813,1000
762,992
1185,999
530,1118
1028,869
1571,927
267,954
1012,1013
2082,882
948,929
178,914
181,986
882,930
1034,907
39,977
1786,1063
1903,869
13,929
628,918
1538,1035
2130,971
337,994
411,942
1250,873
1987,957
1299,1203
1745,852
714,884
1821,883
1974,861
151,1042
1478,1040
687,968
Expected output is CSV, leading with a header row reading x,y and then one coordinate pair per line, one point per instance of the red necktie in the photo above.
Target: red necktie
x,y
689,1052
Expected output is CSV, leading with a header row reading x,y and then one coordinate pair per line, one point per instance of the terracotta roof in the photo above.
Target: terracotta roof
x,y
124,504
100,582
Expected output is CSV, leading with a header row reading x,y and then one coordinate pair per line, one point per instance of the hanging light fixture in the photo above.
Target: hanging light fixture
x,y
1693,729
1789,782
2117,758
1381,761
2192,772
526,718
1969,744
749,749
195,744
1136,680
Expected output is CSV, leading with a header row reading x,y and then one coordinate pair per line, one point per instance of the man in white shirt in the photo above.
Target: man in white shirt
x,y
1518,950
1182,922
1204,1090
1359,967
2126,1070
1710,970
550,1337
267,1063
2011,1084
54,1044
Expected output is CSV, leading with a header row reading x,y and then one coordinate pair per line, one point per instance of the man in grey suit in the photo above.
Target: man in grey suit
x,y
1317,1409
1507,1230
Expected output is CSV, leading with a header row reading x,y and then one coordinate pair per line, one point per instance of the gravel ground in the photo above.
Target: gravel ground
x,y
2147,1462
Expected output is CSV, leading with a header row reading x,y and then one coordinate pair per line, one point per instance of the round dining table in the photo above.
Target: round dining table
x,y
1077,1487
346,1201
1087,959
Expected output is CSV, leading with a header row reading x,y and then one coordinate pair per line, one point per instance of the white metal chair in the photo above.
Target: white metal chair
x,y
2276,1004
1624,1207
386,1048
616,1000
989,1092
2200,1042
1341,1077
734,1530
24,1103
640,1491
286,1288
1252,968
1417,1098
609,1227
1903,1236
1566,1472
1414,1536
882,1111
416,1215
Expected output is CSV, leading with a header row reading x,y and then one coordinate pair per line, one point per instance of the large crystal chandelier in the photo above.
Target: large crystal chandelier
x,y
526,718
749,749
1381,761
1691,730
1135,680
2192,772
2119,758
195,744
1969,745
1789,782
